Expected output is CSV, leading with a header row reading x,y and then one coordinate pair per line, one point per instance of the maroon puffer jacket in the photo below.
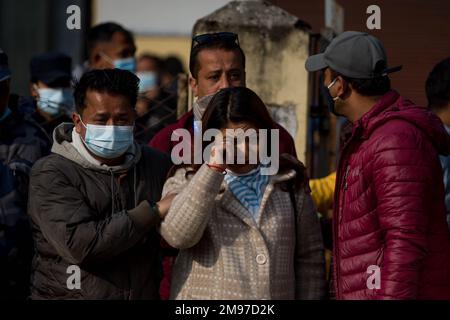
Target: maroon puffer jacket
x,y
389,206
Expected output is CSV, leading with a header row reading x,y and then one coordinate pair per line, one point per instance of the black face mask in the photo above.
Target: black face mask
x,y
330,100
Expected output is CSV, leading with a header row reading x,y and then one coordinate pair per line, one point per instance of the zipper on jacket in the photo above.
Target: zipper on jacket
x,y
335,240
340,203
345,177
342,184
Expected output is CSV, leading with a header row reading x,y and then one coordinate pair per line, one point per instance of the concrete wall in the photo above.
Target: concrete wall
x,y
165,46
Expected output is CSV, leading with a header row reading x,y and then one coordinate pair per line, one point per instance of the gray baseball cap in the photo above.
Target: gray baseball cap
x,y
5,73
353,54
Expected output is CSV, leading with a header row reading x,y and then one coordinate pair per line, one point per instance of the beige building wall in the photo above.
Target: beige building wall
x,y
165,46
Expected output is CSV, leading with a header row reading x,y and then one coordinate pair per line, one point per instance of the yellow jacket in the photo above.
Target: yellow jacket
x,y
322,192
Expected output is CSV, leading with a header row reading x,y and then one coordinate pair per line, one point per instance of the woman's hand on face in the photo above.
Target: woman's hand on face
x,y
218,155
164,204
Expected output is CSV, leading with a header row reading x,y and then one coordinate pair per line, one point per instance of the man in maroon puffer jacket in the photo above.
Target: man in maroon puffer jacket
x,y
390,231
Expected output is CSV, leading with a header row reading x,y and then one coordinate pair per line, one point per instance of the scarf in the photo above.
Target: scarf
x,y
248,188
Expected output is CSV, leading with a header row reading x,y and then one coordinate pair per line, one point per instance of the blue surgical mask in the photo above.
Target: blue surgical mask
x,y
108,142
55,101
148,80
128,64
5,115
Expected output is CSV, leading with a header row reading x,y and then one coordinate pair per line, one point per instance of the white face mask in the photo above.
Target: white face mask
x,y
200,106
55,101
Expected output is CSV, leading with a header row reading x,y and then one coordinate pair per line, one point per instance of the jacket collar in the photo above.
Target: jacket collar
x,y
385,104
362,128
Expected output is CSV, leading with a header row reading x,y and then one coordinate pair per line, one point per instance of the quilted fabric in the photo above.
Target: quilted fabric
x,y
389,207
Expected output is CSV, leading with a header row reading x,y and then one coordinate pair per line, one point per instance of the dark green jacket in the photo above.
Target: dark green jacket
x,y
97,218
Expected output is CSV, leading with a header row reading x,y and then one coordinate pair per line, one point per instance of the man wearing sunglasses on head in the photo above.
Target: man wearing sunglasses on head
x,y
216,61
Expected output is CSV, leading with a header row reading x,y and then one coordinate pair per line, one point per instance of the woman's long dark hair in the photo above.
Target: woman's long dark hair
x,y
240,104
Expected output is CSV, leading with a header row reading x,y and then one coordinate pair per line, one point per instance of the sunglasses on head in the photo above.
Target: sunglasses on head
x,y
206,38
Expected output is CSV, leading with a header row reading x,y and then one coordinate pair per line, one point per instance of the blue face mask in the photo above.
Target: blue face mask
x,y
108,142
55,101
148,80
128,64
5,115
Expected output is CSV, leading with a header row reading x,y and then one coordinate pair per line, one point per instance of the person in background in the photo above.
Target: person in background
x,y
22,143
172,68
50,88
108,45
156,108
149,70
95,201
243,234
111,46
216,62
437,88
390,232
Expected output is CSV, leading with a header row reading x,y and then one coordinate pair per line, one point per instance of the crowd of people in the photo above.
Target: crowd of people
x,y
88,179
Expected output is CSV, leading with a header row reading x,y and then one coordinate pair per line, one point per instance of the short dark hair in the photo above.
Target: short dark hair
x,y
367,87
159,63
223,44
437,85
173,66
116,81
103,33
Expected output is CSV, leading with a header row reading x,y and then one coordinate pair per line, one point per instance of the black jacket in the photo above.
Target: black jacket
x,y
22,143
97,218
